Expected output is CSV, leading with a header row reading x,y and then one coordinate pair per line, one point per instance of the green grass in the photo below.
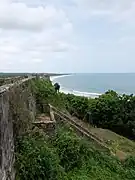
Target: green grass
x,y
115,141
67,157
111,139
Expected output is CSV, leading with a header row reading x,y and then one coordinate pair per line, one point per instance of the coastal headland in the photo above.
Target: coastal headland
x,y
49,135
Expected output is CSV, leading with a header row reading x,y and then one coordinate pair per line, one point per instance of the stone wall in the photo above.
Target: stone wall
x,y
17,111
10,80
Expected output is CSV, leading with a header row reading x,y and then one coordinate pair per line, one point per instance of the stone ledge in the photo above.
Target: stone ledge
x,y
6,87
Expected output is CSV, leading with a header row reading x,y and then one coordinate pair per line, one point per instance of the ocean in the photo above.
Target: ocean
x,y
95,84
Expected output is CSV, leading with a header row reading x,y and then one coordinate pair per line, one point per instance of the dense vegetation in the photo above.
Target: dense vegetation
x,y
110,110
66,156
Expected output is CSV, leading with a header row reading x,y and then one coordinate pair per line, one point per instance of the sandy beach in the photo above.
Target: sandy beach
x,y
75,92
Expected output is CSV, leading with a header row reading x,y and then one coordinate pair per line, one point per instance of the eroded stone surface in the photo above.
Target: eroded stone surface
x,y
17,108
46,123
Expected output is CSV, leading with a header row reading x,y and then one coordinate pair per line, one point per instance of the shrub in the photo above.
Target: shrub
x,y
36,160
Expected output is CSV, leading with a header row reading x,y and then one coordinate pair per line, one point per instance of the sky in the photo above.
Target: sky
x,y
65,36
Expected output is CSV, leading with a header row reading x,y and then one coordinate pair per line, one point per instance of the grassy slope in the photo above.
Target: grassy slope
x,y
67,157
122,146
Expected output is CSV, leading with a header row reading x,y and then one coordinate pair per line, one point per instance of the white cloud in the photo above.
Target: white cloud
x,y
30,34
43,35
117,10
15,15
9,49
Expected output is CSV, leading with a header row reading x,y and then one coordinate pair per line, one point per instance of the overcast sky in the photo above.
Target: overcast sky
x,y
67,35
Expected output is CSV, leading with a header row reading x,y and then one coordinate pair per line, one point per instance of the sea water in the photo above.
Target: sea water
x,y
95,84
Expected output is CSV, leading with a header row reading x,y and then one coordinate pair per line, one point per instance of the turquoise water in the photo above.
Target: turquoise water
x,y
95,84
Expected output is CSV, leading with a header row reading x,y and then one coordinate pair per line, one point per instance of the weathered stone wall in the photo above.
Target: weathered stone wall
x,y
10,80
17,111
6,139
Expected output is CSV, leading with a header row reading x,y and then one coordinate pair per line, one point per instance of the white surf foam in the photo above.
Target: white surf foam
x,y
52,78
76,93
79,93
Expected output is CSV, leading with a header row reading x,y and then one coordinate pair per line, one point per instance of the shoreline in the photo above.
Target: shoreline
x,y
74,92
52,78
